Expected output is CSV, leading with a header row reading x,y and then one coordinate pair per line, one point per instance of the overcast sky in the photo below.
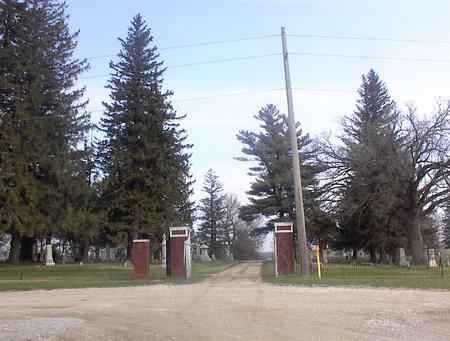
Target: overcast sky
x,y
213,122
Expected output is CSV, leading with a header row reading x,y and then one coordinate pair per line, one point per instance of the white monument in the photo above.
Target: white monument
x,y
49,259
204,257
188,257
432,258
402,261
164,252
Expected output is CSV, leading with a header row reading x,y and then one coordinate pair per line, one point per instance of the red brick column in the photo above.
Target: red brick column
x,y
284,249
177,237
141,258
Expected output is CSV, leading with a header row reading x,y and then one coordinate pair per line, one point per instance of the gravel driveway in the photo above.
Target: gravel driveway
x,y
232,305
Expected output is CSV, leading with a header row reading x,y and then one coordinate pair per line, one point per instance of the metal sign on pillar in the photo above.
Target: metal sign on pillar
x,y
284,248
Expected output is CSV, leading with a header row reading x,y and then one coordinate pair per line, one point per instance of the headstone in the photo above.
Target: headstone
x,y
49,259
164,252
432,258
195,251
402,261
204,257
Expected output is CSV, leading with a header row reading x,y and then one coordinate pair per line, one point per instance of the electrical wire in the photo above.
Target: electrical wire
x,y
204,62
393,59
362,38
190,45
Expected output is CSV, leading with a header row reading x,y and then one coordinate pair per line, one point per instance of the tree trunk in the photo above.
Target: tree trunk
x,y
14,250
83,251
85,254
383,256
416,241
395,256
108,253
97,254
323,255
373,255
355,254
26,249
131,236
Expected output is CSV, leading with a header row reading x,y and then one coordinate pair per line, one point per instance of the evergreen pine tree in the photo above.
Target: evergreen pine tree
x,y
147,183
272,192
42,120
212,216
370,207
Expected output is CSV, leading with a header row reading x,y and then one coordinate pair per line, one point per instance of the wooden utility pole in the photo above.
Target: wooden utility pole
x,y
299,212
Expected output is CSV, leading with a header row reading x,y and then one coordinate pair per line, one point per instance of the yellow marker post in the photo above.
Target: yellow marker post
x,y
318,261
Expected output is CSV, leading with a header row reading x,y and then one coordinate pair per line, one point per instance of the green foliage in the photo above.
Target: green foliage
x,y
369,179
389,175
213,212
271,193
147,183
41,116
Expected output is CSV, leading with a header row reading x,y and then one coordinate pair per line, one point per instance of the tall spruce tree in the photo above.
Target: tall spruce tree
x,y
369,173
41,118
212,215
144,156
272,192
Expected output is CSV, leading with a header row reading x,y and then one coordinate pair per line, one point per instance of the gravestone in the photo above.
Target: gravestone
x,y
195,251
402,261
49,259
204,257
432,258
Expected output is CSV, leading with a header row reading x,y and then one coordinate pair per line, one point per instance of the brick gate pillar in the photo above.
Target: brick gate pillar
x,y
284,249
141,258
177,238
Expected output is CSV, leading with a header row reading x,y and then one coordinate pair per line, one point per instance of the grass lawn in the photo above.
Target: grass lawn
x,y
31,277
366,275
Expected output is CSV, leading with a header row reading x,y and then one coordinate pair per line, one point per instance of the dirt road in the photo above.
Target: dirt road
x,y
233,305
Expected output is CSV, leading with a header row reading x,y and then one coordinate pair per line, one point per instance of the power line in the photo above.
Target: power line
x,y
362,38
303,36
205,62
207,43
393,59
307,54
246,92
